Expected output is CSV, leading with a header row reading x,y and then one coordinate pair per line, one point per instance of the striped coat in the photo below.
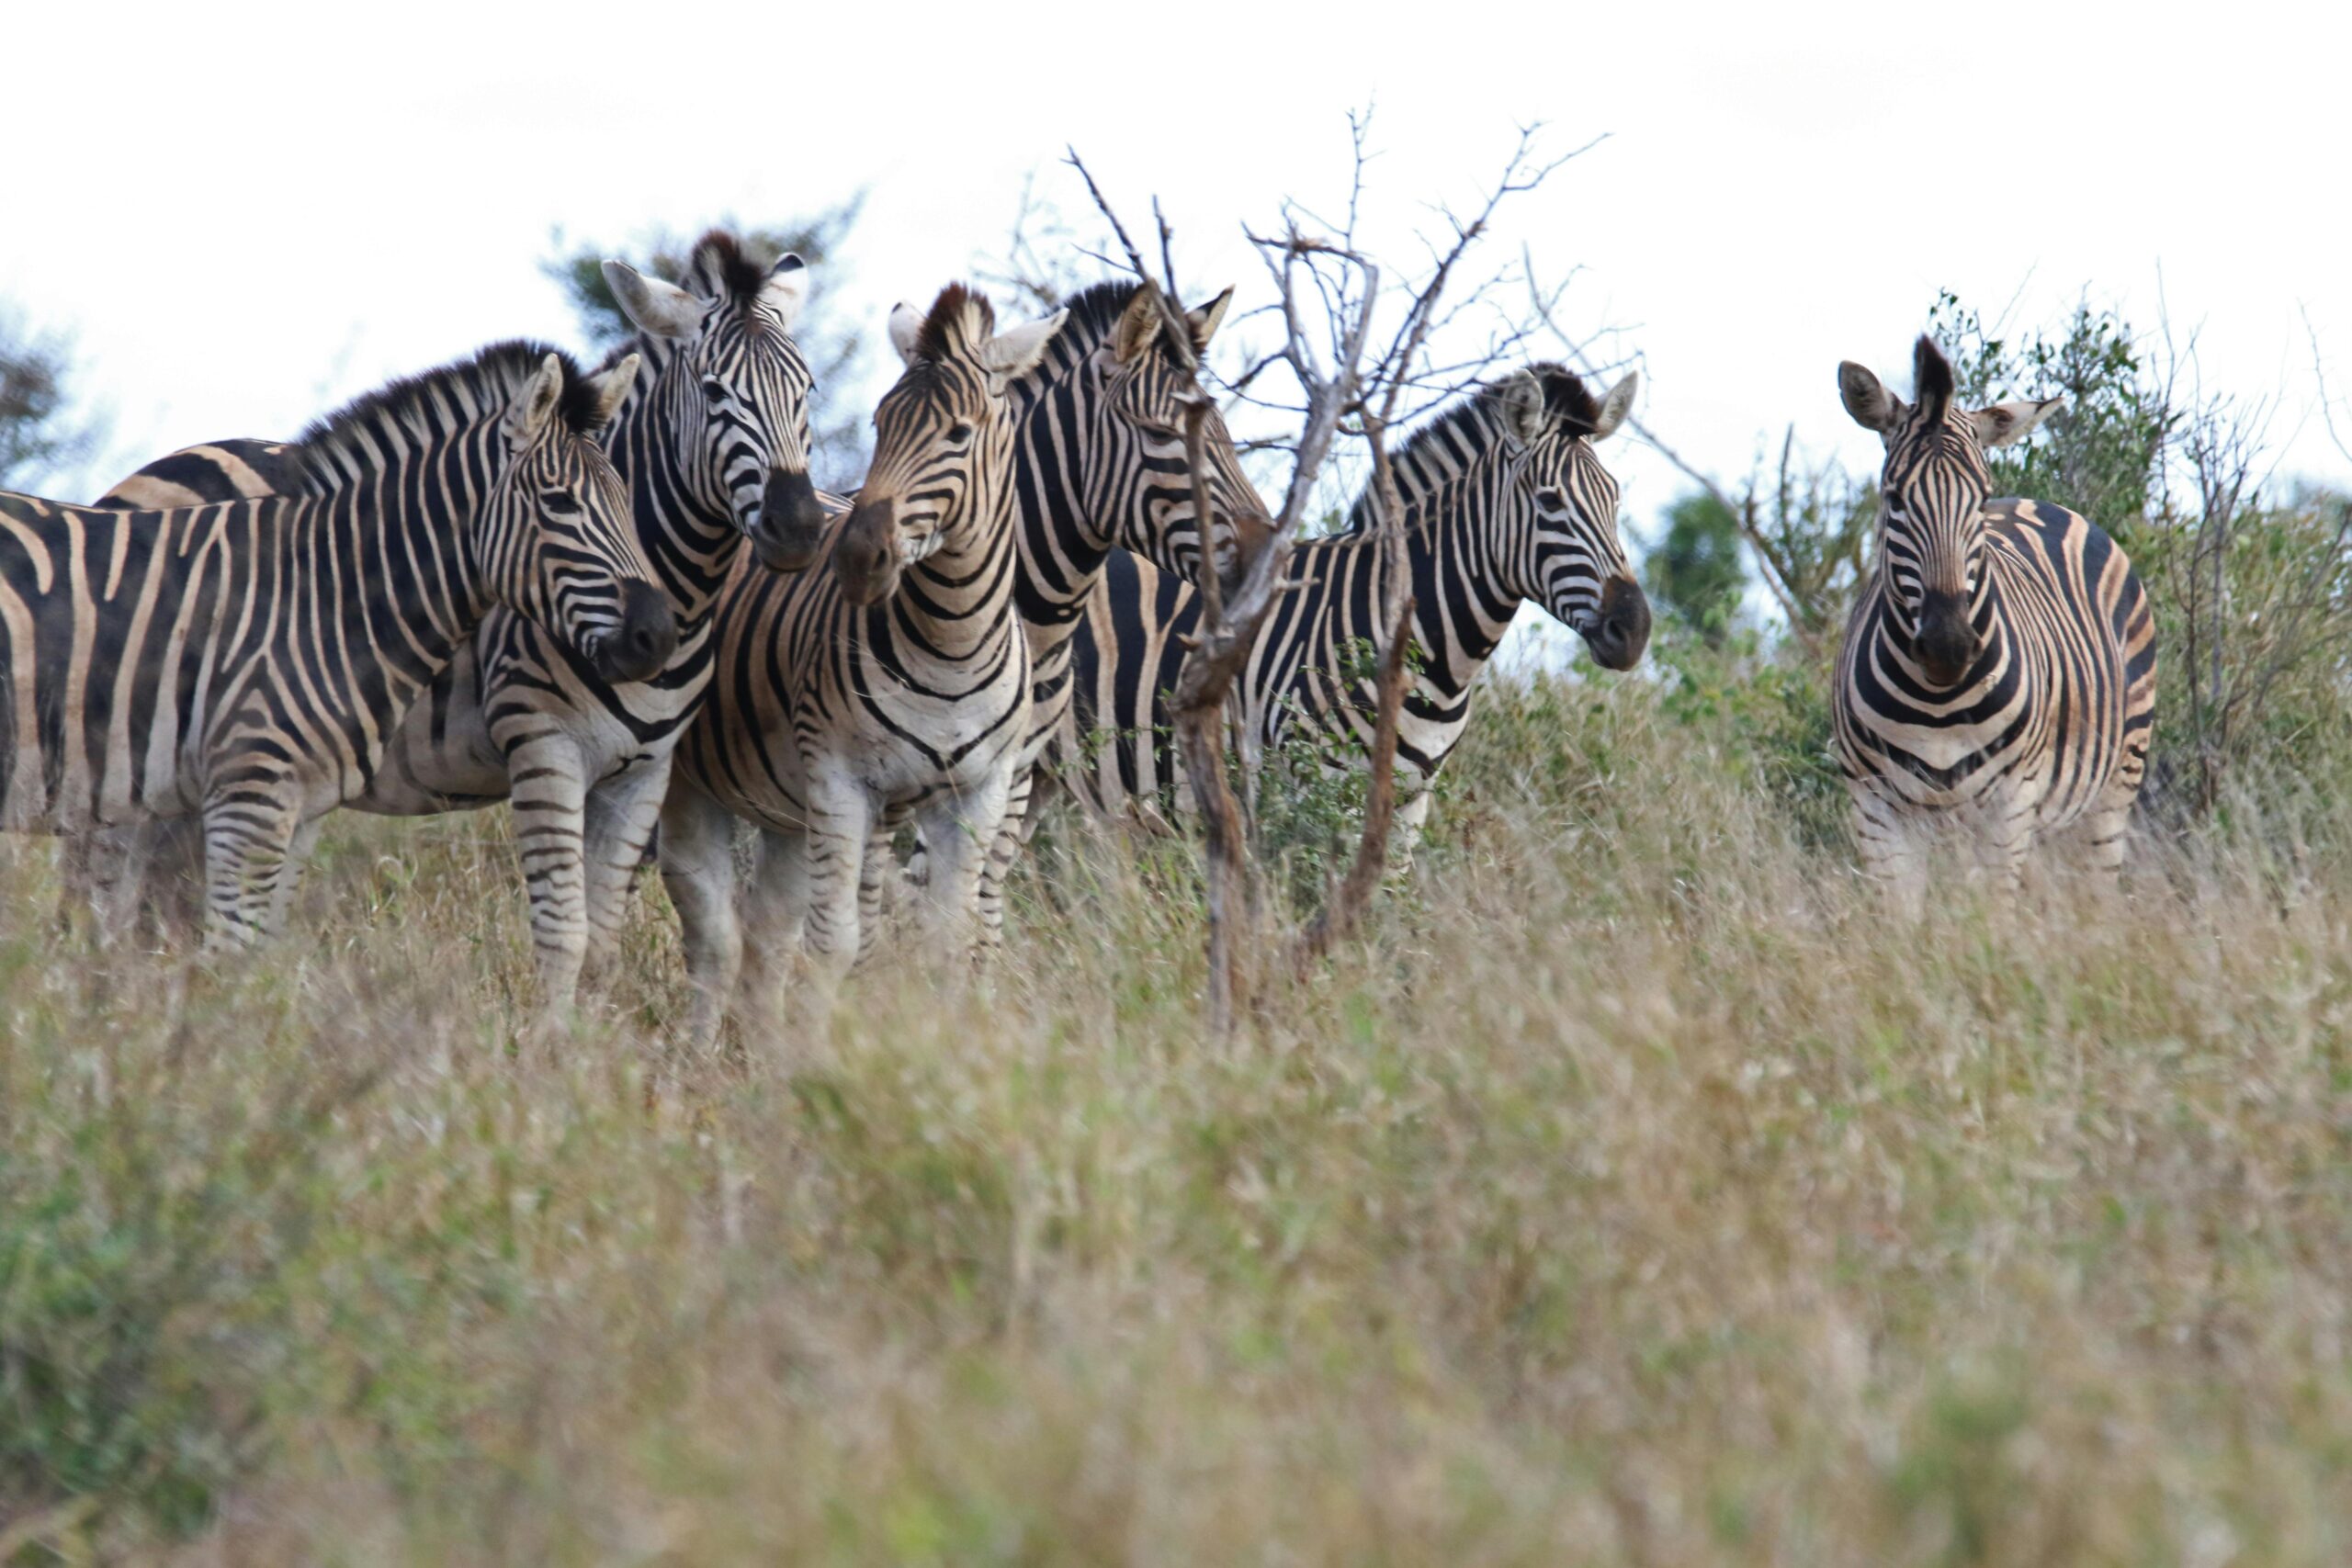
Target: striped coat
x,y
249,662
1506,503
712,442
1997,686
891,689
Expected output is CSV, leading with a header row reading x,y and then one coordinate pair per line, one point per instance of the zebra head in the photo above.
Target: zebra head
x,y
1575,558
1136,477
733,390
557,542
1932,493
943,439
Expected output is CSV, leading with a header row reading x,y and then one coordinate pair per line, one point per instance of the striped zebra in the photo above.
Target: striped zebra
x,y
894,688
1101,469
713,445
251,660
1505,501
1998,675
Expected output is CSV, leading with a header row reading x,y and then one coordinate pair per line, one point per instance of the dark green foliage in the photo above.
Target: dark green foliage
x,y
1694,567
2101,451
40,433
834,349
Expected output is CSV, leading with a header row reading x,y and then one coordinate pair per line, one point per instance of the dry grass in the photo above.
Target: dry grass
x,y
1633,1193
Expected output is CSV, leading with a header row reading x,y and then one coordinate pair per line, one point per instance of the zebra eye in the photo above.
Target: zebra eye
x,y
558,501
714,391
959,434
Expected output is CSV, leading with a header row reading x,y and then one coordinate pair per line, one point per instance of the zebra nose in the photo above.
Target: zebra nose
x,y
865,556
1623,632
1947,641
791,526
644,640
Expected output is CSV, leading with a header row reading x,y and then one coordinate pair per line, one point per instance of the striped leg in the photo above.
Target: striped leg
x,y
1891,854
775,908
551,796
621,814
839,822
698,871
879,884
1004,848
250,836
962,834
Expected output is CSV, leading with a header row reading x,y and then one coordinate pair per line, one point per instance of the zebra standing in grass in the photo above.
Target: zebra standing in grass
x,y
1101,469
1505,503
251,660
1999,672
894,688
713,445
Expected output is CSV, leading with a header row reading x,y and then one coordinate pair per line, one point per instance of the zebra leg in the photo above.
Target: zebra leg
x,y
775,908
550,794
621,812
1004,848
962,834
249,863
698,871
1891,851
1406,827
879,883
841,821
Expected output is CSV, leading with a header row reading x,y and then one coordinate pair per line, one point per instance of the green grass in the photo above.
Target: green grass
x,y
1633,1192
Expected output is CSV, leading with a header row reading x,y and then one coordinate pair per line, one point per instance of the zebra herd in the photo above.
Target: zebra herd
x,y
598,595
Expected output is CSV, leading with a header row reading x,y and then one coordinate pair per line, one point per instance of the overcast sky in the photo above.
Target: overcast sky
x,y
246,214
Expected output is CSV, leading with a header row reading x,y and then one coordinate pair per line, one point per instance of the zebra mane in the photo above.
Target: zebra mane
x,y
957,309
335,449
719,261
1466,428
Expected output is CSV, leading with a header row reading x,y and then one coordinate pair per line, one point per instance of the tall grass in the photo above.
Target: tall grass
x,y
1633,1193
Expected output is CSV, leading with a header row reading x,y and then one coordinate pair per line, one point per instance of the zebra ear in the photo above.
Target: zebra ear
x,y
1524,416
612,386
2005,422
654,308
1616,406
905,327
1866,399
1138,326
1011,355
1202,320
535,404
786,288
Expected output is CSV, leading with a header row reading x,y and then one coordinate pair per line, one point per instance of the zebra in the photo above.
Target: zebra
x,y
1101,469
251,660
1506,503
714,448
1999,674
894,688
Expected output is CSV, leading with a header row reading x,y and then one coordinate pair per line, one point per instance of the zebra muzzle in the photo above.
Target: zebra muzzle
x,y
791,525
1622,632
644,640
865,556
1947,641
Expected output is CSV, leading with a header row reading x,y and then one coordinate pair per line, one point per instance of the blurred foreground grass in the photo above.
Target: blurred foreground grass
x,y
1634,1192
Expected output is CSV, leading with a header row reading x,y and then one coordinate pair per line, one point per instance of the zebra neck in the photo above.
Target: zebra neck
x,y
959,598
1463,597
393,567
691,540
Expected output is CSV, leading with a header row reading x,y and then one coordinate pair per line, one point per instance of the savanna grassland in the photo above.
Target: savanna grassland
x,y
1634,1191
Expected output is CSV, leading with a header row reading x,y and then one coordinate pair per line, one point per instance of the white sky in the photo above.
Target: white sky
x,y
249,213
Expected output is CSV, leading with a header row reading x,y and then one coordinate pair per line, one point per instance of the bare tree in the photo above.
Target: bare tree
x,y
1346,377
